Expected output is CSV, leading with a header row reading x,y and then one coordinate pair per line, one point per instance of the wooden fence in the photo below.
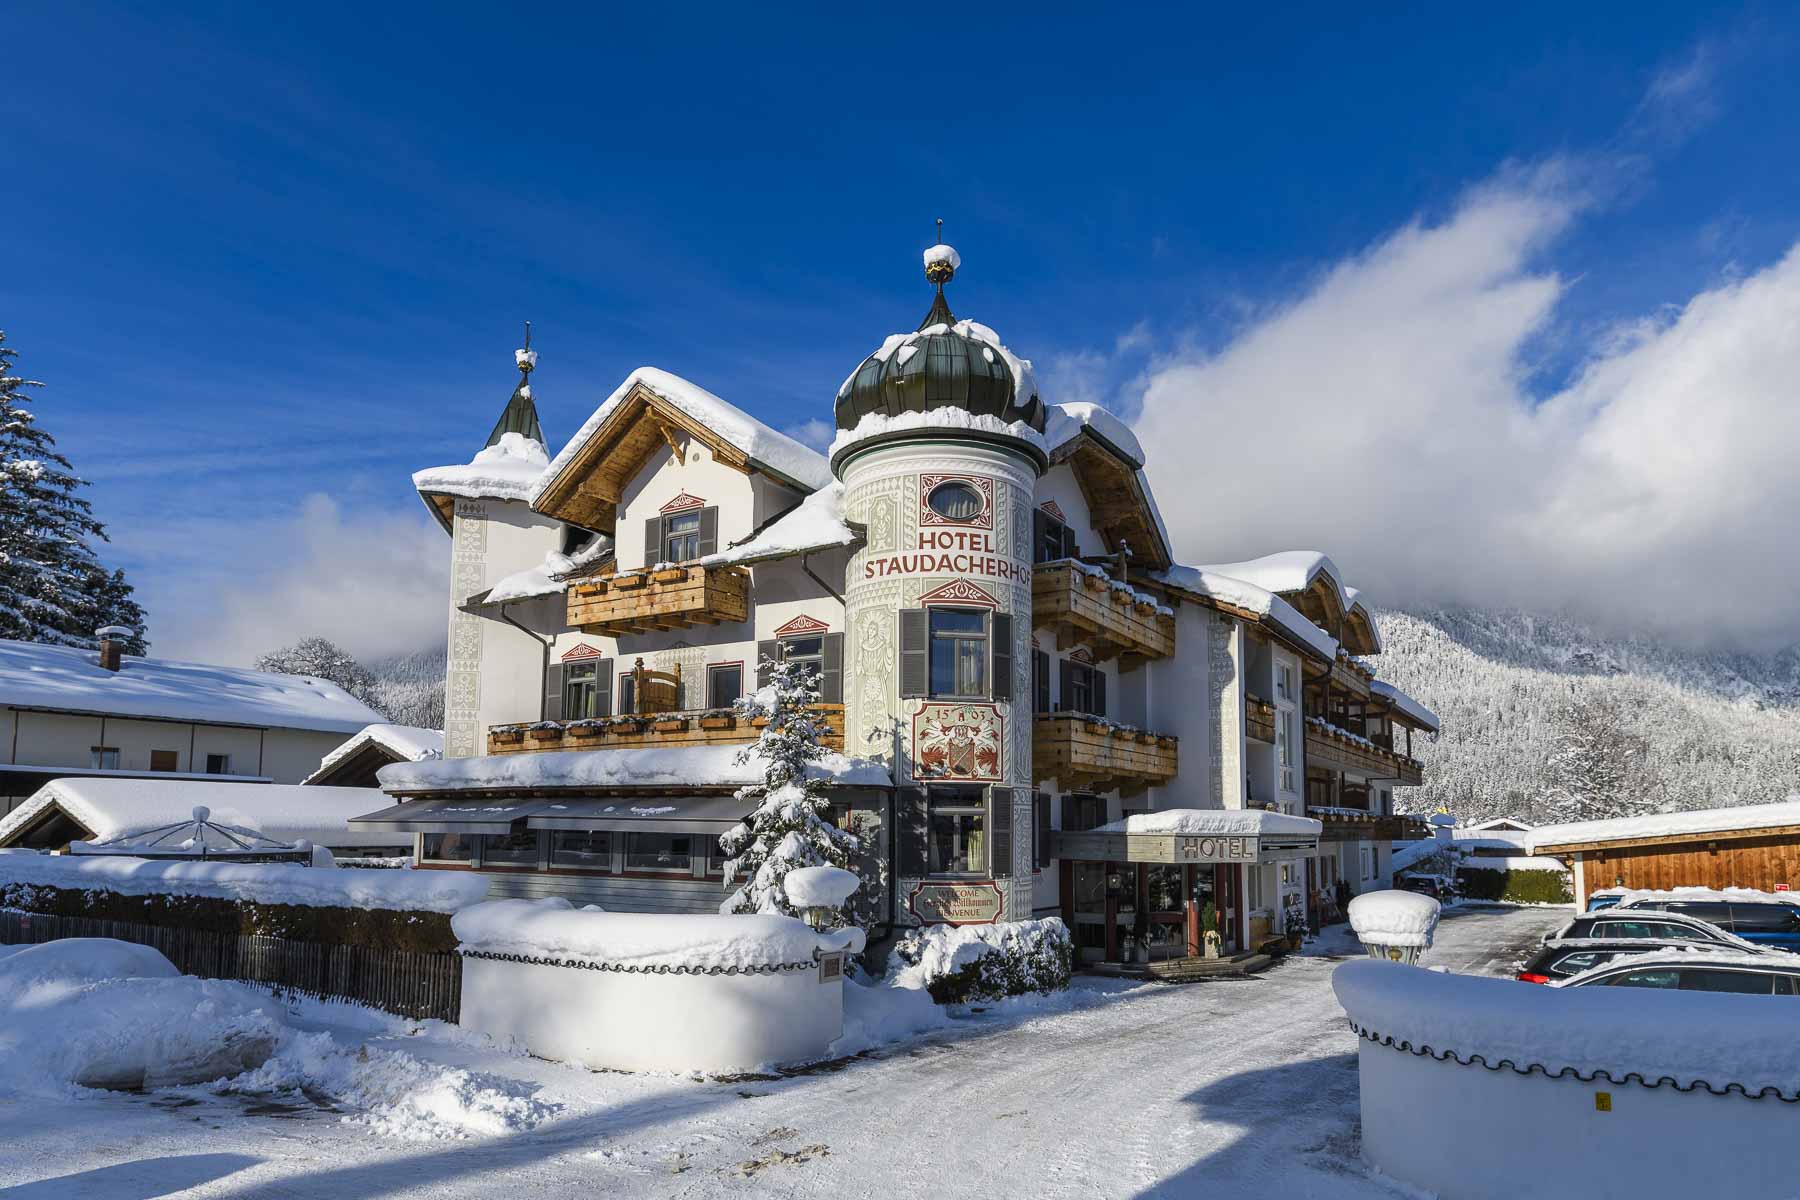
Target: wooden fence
x,y
407,982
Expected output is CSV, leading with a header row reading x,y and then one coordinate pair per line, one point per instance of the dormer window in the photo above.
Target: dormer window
x,y
682,536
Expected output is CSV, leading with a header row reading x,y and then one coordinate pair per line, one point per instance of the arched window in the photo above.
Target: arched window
x,y
954,500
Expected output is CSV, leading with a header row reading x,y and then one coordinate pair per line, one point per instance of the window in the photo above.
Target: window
x,y
715,857
724,685
958,652
1055,540
1284,746
1745,983
1040,680
1082,812
165,760
104,758
957,844
955,500
1084,688
681,537
448,847
627,692
1761,918
581,848
218,764
808,651
1646,979
1287,874
582,697
1040,823
671,852
1284,682
1254,892
1579,961
510,849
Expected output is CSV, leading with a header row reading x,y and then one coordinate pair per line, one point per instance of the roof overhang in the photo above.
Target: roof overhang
x,y
1533,848
711,814
1118,501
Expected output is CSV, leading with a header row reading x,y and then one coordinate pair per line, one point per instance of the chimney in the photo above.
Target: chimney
x,y
112,645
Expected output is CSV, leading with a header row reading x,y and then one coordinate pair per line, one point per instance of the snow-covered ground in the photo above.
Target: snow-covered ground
x,y
1113,1090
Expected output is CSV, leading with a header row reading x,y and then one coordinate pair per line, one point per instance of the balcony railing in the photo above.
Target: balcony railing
x,y
699,727
671,598
1350,824
1083,605
1085,753
1329,746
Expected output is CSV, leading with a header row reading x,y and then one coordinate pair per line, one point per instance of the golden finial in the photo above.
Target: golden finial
x,y
526,358
941,261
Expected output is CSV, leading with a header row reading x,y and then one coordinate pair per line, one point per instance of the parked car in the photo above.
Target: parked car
x,y
1604,898
1769,922
1557,961
1657,928
1435,886
1753,974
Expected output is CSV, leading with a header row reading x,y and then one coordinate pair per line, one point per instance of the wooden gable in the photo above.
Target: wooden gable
x,y
1118,506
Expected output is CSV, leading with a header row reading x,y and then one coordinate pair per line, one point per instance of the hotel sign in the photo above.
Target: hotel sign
x,y
1177,848
956,903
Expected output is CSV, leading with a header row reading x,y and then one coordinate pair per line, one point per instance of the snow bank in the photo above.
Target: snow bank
x,y
820,887
1514,863
1696,821
817,523
1217,822
91,1012
1064,422
507,470
63,677
257,883
645,767
286,812
1743,895
1394,918
645,941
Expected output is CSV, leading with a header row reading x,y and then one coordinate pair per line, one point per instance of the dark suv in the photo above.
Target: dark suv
x,y
1698,971
1770,923
1557,961
1653,927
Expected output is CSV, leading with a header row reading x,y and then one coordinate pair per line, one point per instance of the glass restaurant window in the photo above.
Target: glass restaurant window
x,y
958,652
581,848
681,537
659,852
958,846
510,849
448,847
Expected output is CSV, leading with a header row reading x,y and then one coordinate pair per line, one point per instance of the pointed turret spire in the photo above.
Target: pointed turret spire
x,y
941,262
520,415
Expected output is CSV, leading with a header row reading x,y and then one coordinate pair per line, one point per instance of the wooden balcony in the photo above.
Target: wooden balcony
x,y
704,727
1329,746
1343,824
1086,607
647,601
1259,719
1086,754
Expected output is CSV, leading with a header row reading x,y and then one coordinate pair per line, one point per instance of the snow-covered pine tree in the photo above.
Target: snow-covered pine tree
x,y
1597,770
790,826
322,659
48,571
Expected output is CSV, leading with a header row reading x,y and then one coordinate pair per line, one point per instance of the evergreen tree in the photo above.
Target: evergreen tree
x,y
322,659
790,826
107,600
49,588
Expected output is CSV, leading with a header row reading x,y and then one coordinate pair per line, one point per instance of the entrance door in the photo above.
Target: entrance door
x,y
1087,896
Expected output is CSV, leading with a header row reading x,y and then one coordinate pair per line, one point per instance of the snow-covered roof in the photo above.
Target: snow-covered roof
x,y
1217,822
551,575
765,447
409,743
1412,853
644,767
1406,704
1064,422
70,679
1663,825
287,812
507,470
816,523
876,424
1209,583
1742,895
1285,571
905,344
1500,824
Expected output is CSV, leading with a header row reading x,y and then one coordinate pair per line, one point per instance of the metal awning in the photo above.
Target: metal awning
x,y
651,814
448,816
1181,847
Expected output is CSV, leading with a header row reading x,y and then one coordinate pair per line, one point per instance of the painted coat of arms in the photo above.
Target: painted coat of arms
x,y
958,742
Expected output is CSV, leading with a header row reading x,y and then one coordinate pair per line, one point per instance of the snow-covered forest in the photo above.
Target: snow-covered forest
x,y
1525,700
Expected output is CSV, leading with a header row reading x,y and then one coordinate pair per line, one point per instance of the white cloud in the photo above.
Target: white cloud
x,y
813,432
226,590
1383,416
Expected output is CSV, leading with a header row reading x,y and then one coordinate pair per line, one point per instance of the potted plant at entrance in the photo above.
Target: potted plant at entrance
x,y
1209,930
1295,928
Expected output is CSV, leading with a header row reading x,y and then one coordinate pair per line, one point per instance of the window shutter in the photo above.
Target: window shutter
x,y
1070,823
770,651
831,674
1000,656
1070,549
914,634
1099,692
999,832
1040,526
1041,811
1040,680
709,530
553,692
914,821
653,541
603,687
1066,701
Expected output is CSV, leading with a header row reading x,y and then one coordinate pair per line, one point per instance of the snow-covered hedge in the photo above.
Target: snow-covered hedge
x,y
1515,887
959,963
552,928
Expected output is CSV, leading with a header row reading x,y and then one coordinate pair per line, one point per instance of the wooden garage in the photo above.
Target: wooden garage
x,y
1753,845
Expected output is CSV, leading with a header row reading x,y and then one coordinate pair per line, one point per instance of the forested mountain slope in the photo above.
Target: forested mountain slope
x,y
1699,729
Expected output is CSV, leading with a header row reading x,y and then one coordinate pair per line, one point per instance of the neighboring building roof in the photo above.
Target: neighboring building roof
x,y
1675,826
1500,823
112,808
400,743
1217,822
72,680
504,470
1406,704
1207,583
646,768
1064,422
1285,571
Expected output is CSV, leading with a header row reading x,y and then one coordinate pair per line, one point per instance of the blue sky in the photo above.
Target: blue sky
x,y
270,262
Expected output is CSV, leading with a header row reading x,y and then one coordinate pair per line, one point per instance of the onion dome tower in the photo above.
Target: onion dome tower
x,y
939,450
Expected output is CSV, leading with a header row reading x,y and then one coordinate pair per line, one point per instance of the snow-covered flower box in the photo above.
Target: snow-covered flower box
x,y
719,722
669,724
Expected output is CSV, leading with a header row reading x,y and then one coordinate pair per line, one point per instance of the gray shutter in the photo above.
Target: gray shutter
x,y
914,821
553,692
1040,812
653,541
915,633
709,530
831,676
603,687
766,651
1066,700
1040,680
1040,526
999,831
1070,549
1099,677
1069,823
1000,656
